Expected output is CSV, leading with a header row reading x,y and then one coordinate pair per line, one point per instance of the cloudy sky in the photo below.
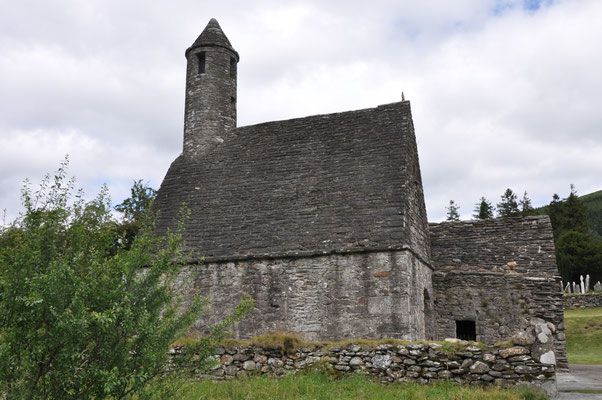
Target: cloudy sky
x,y
504,93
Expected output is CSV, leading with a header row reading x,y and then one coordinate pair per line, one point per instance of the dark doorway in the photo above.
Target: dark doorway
x,y
466,330
429,317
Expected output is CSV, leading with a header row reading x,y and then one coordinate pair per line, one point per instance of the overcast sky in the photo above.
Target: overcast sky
x,y
503,93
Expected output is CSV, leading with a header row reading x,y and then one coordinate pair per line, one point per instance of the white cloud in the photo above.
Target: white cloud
x,y
501,96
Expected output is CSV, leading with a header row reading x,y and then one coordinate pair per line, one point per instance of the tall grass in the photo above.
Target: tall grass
x,y
315,386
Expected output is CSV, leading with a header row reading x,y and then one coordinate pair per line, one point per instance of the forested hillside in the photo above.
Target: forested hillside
x,y
593,205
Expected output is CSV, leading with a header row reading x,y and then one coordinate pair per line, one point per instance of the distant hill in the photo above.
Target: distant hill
x,y
593,203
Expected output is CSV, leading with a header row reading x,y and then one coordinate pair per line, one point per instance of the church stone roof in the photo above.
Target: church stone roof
x,y
340,182
212,35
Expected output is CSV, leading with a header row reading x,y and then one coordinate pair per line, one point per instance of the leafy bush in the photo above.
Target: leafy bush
x,y
80,318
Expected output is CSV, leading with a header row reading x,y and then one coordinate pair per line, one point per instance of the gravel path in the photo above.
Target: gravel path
x,y
583,377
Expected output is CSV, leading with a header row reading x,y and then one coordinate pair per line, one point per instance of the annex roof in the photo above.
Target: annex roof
x,y
522,245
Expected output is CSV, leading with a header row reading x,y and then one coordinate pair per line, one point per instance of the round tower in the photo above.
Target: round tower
x,y
210,106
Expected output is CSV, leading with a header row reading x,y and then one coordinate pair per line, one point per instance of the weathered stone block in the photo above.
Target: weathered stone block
x,y
381,361
356,361
523,338
479,368
513,351
249,365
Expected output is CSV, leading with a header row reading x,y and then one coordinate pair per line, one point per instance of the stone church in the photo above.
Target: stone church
x,y
322,221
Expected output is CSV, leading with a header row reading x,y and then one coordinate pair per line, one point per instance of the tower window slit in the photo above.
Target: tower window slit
x,y
201,61
232,67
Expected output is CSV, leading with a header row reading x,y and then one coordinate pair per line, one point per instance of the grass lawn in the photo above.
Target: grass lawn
x,y
317,386
584,335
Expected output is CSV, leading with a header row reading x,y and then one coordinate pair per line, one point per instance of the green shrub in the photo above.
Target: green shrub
x,y
81,318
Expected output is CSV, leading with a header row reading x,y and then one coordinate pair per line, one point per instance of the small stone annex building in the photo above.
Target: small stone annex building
x,y
322,221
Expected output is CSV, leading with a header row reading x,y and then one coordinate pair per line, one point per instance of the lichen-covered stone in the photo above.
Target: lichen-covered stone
x,y
523,338
524,369
548,358
542,337
381,361
249,365
513,351
479,368
356,361
445,374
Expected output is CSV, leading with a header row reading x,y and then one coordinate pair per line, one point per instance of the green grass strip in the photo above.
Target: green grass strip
x,y
315,386
584,335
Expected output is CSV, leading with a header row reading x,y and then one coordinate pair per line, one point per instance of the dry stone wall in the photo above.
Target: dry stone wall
x,y
333,297
419,362
588,300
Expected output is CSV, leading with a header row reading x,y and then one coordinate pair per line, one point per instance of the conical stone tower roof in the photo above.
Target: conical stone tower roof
x,y
212,35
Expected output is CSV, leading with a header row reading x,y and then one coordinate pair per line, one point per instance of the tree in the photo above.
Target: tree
x,y
526,208
134,210
79,319
483,209
555,213
452,211
568,215
508,207
578,249
137,206
575,214
578,253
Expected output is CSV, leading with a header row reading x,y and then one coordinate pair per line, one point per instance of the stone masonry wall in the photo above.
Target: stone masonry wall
x,y
331,297
572,301
420,362
210,105
501,304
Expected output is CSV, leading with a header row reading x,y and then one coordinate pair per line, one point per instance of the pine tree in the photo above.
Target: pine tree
x,y
575,214
452,211
555,213
508,207
525,205
483,209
